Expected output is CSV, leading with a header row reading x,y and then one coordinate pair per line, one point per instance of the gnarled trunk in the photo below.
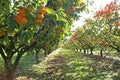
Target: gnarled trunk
x,y
9,69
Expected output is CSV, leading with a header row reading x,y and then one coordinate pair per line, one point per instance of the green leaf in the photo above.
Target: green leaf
x,y
7,42
50,11
21,36
12,24
7,6
63,19
29,37
1,5
44,1
57,17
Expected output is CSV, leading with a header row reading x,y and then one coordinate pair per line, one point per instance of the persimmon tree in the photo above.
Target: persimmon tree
x,y
91,33
86,37
109,15
81,37
29,24
111,40
101,32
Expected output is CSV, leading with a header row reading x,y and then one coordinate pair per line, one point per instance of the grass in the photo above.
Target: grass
x,y
1,65
65,64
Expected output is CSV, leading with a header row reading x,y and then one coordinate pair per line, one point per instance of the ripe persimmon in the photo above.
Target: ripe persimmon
x,y
22,13
42,10
21,16
21,20
24,20
40,16
18,19
38,21
42,6
2,33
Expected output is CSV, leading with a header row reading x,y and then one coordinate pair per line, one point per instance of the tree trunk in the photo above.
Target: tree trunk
x,y
37,57
91,50
49,51
87,50
80,50
118,50
45,53
101,52
9,69
19,55
84,50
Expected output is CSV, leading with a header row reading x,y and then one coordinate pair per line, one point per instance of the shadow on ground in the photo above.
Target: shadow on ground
x,y
67,65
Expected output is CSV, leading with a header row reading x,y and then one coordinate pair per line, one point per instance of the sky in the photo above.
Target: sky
x,y
95,7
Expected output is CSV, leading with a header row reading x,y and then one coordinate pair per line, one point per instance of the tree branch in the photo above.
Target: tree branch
x,y
20,53
38,31
2,52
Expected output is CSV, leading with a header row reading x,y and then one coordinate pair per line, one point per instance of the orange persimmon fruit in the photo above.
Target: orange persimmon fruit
x,y
40,16
38,21
2,33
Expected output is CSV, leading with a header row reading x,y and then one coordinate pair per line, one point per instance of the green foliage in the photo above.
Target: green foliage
x,y
56,17
101,32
